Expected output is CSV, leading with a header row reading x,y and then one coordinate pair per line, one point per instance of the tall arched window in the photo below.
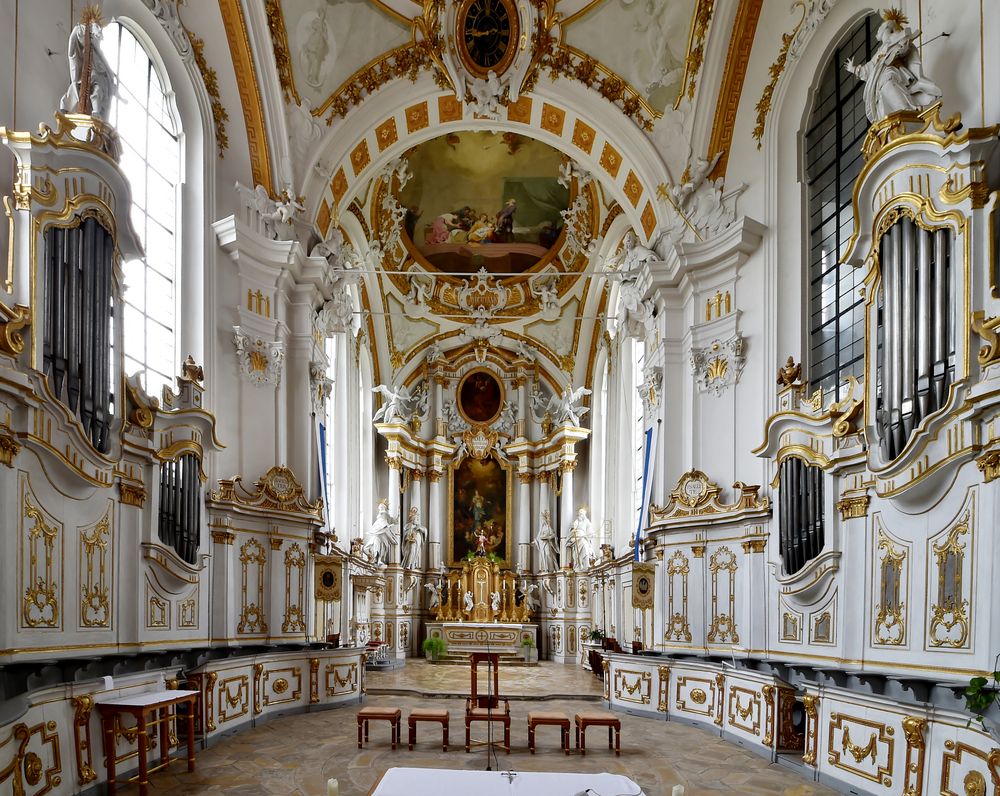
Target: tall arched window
x,y
151,160
837,127
638,427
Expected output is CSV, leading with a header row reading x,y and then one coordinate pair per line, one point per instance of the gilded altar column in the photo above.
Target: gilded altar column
x,y
522,528
544,503
435,522
566,510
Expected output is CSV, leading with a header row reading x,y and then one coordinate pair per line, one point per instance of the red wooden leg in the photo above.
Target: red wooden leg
x,y
142,740
108,724
190,724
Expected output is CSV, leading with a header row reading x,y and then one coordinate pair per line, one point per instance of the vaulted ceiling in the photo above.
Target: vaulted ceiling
x,y
336,94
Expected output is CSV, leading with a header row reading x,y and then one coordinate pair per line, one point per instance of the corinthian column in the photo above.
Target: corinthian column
x,y
434,521
395,476
566,509
522,529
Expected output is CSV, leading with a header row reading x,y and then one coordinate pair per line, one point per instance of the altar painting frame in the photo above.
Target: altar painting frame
x,y
507,491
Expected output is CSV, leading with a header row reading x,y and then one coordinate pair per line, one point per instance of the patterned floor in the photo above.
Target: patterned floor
x,y
295,755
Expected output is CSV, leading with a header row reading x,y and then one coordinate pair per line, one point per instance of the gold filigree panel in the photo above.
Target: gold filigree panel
x,y
633,685
253,560
34,756
949,584
95,572
341,678
234,698
861,747
295,586
723,566
744,709
678,624
282,685
695,695
966,770
892,583
41,556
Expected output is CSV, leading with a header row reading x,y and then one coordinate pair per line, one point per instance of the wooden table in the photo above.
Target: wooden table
x,y
141,706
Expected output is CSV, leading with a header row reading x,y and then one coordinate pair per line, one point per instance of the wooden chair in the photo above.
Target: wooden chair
x,y
486,708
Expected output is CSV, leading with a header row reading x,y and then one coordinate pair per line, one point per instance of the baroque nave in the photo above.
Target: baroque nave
x,y
523,369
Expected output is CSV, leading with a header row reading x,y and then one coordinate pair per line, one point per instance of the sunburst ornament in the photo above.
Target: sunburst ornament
x,y
896,16
91,15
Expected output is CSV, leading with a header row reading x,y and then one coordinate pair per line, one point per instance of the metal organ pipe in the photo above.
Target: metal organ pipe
x,y
916,363
800,513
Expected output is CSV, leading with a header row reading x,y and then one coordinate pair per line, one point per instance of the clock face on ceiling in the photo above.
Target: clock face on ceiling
x,y
487,35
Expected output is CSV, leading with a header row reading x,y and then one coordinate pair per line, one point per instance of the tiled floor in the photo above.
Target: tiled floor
x,y
295,755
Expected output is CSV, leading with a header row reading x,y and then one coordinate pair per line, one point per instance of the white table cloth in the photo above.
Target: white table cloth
x,y
437,781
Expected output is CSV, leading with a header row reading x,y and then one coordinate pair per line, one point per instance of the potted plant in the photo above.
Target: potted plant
x,y
434,647
981,695
529,650
596,636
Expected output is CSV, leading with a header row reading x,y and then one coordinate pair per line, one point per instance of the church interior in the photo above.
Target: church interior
x,y
523,369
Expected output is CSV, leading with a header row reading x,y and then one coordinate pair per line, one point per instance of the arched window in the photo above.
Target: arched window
x,y
837,127
151,160
638,427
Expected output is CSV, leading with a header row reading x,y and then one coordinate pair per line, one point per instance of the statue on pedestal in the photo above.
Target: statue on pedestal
x,y
580,545
894,77
469,602
545,541
378,539
91,81
413,540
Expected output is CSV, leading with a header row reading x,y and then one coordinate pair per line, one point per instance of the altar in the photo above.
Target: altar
x,y
464,638
432,781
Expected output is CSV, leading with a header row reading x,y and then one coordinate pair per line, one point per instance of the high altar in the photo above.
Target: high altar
x,y
481,609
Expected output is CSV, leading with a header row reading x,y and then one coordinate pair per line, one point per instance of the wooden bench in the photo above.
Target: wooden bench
x,y
540,719
392,715
428,714
609,720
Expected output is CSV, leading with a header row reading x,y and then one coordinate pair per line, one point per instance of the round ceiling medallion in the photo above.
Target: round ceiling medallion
x,y
480,397
486,35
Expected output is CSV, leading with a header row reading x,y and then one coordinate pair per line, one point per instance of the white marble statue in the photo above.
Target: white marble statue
x,y
469,604
396,404
544,289
485,94
316,48
531,598
894,77
433,595
413,540
580,544
545,541
378,539
495,601
570,407
101,82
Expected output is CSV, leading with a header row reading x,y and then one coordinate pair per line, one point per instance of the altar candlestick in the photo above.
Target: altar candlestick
x,y
332,787
677,791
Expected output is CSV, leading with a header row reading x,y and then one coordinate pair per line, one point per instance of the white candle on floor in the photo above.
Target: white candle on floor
x,y
677,791
332,787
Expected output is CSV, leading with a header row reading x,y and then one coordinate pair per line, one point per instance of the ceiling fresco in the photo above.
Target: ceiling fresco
x,y
478,199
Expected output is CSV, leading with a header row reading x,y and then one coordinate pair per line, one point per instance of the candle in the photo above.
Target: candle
x,y
677,791
332,787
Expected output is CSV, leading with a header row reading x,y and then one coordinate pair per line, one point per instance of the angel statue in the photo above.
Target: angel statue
x,y
634,254
485,96
468,602
495,601
413,540
570,407
545,541
378,538
286,207
580,545
91,82
433,595
395,404
544,289
894,77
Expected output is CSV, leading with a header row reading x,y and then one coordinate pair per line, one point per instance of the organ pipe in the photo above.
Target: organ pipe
x,y
916,358
800,513
180,505
79,306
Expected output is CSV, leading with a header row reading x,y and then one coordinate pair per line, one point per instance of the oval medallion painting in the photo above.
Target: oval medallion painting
x,y
480,397
483,200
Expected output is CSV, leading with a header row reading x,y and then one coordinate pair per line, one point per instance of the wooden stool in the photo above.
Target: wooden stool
x,y
428,714
544,718
609,720
379,714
